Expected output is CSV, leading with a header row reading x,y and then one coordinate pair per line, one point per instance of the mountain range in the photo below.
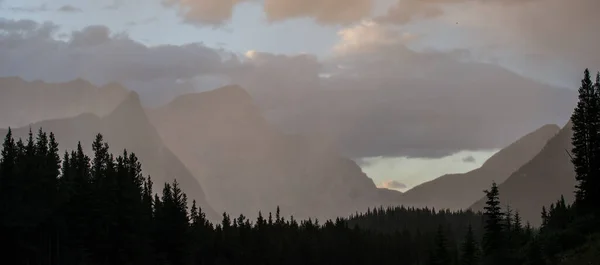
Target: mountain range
x,y
229,157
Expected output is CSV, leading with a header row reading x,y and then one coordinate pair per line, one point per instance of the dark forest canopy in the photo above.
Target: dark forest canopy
x,y
103,210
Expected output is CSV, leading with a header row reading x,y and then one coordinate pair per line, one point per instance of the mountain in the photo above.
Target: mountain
x,y
541,181
127,127
245,165
23,102
459,191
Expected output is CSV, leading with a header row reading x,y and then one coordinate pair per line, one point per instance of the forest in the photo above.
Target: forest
x,y
76,209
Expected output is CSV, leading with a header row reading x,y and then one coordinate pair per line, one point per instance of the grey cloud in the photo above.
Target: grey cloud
x,y
13,30
91,36
96,54
69,9
562,32
469,159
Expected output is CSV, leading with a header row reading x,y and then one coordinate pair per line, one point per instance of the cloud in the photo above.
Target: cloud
x,y
393,184
469,159
368,34
216,12
543,38
95,53
69,9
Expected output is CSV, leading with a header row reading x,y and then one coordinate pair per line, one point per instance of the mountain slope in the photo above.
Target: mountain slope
x,y
127,127
541,181
247,166
23,102
459,191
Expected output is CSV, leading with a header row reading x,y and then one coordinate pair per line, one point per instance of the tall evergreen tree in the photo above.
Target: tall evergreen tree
x,y
586,142
493,241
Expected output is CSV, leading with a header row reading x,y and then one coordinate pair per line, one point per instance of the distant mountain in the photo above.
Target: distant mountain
x,y
245,165
23,102
127,127
459,191
541,181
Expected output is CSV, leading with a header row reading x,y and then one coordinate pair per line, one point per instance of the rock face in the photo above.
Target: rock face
x,y
127,127
24,102
246,166
541,181
459,191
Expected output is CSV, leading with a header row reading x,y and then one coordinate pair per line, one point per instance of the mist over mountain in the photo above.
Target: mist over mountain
x,y
245,165
23,102
438,107
458,191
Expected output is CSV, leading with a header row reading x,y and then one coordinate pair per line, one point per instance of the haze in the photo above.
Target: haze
x,y
410,90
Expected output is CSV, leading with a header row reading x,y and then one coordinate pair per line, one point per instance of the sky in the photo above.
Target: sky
x,y
483,56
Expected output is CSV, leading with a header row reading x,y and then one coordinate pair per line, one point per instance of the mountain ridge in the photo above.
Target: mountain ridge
x,y
551,166
459,191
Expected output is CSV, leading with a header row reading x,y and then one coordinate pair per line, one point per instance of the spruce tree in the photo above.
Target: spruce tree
x,y
493,234
586,144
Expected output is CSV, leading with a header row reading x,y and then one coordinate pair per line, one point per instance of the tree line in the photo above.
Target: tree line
x,y
76,209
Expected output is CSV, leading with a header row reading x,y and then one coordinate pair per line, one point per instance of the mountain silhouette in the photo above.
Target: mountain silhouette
x,y
245,165
127,127
459,191
23,102
541,181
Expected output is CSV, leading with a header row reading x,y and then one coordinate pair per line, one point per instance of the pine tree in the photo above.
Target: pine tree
x,y
586,144
493,235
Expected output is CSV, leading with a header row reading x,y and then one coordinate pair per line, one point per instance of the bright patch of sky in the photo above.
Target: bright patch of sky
x,y
414,171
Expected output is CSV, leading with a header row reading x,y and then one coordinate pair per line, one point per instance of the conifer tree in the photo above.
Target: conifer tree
x,y
493,235
586,143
